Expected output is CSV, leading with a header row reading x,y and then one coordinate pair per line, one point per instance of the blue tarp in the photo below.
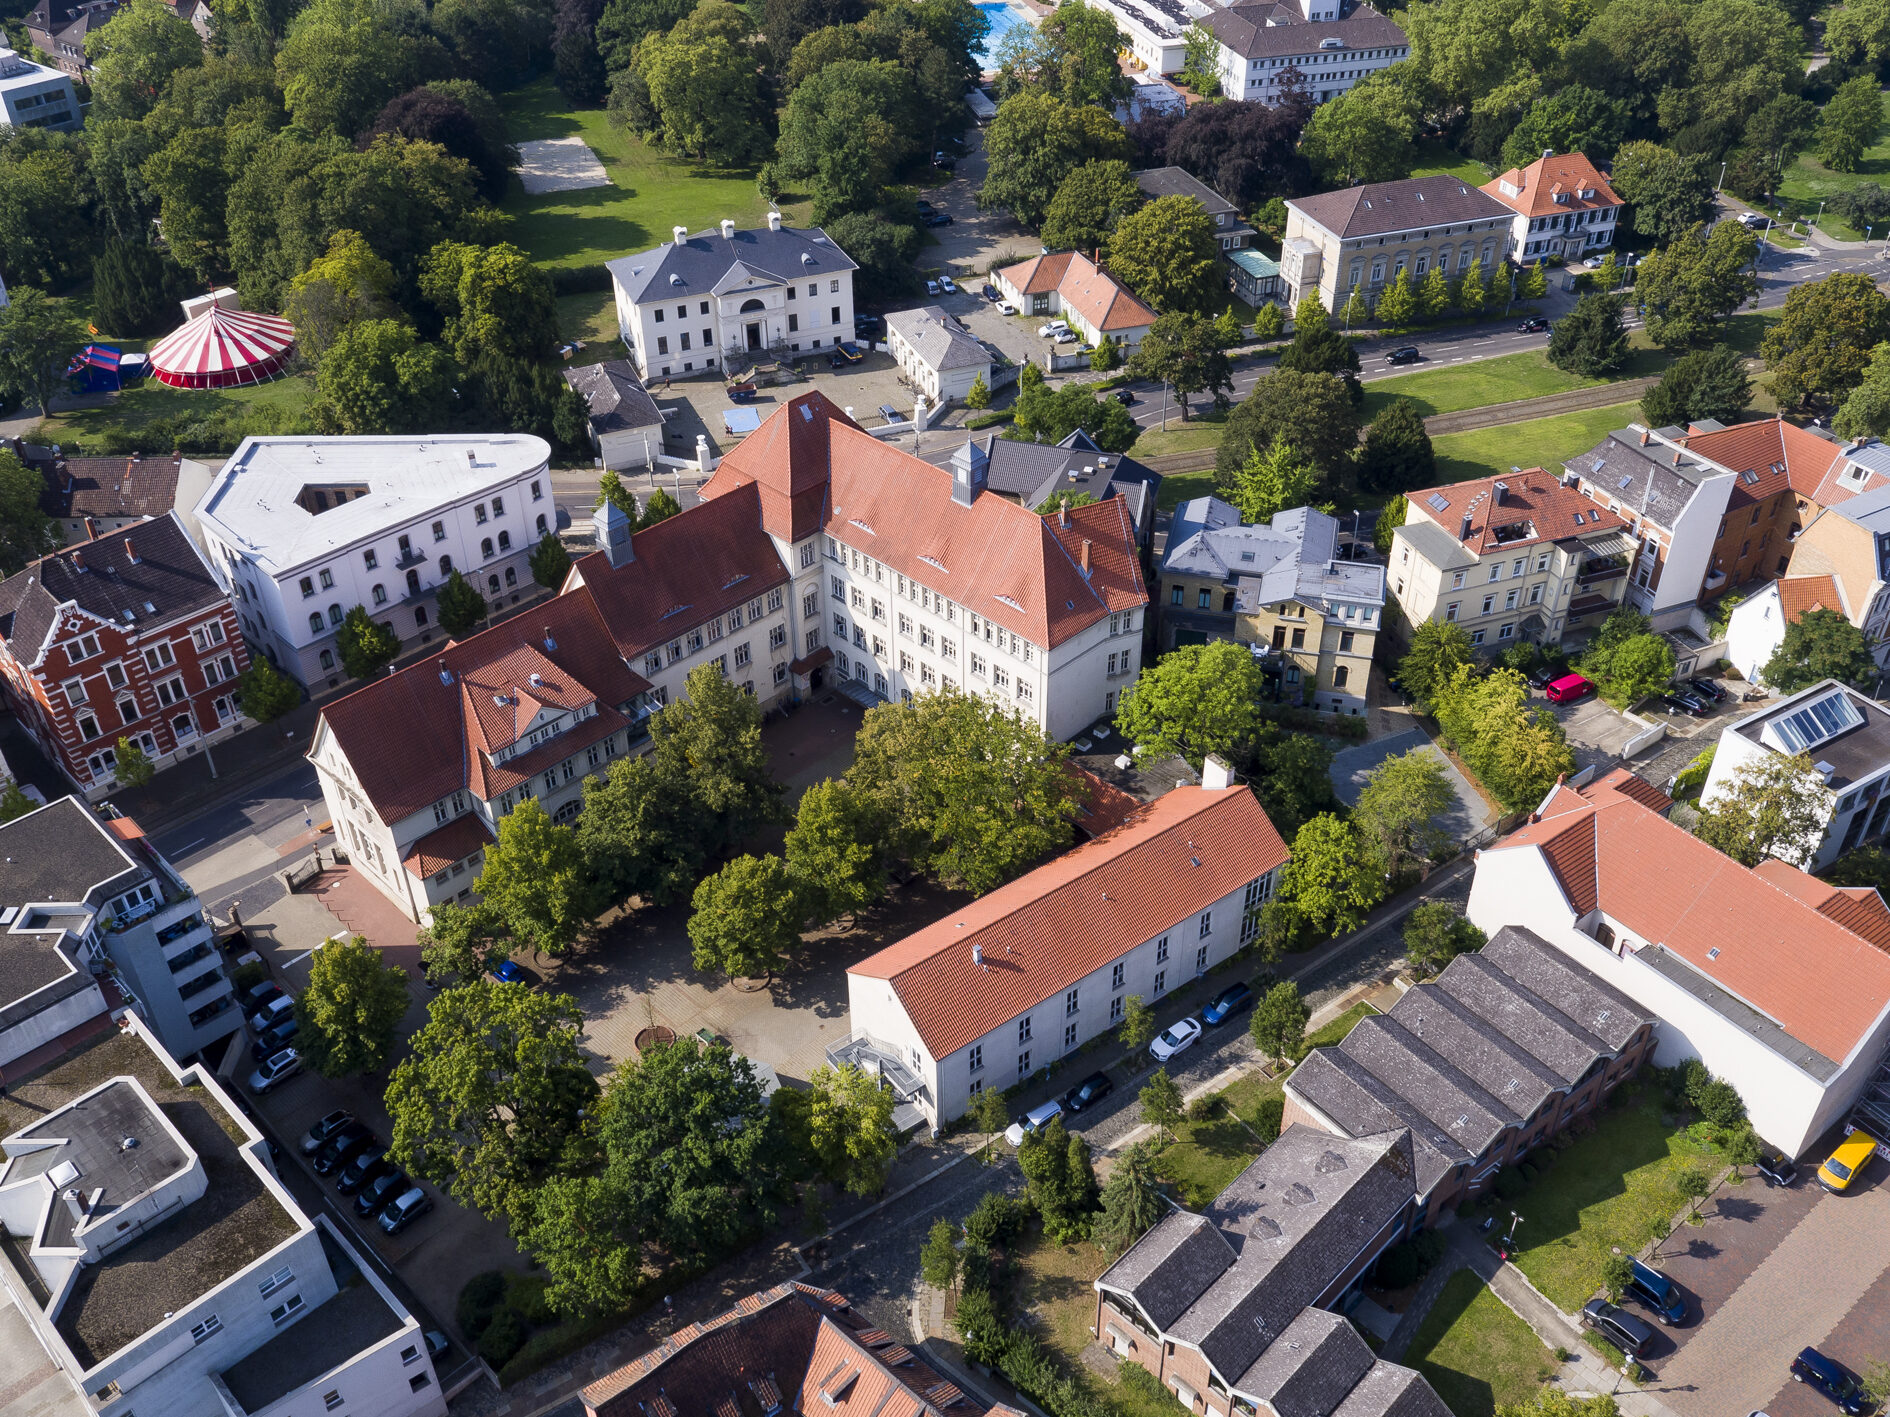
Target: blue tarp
x,y
741,420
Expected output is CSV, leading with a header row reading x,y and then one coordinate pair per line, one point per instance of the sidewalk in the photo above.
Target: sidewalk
x,y
221,774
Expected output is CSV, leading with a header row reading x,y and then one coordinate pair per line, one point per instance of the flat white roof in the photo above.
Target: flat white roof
x,y
19,72
252,503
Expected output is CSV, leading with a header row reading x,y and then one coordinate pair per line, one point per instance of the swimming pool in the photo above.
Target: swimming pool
x,y
1004,18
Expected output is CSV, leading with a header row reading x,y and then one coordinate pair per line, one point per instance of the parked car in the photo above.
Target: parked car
x,y
1066,335
1708,689
1056,329
938,219
1777,1170
923,205
276,1071
1832,1379
1570,688
404,1209
947,285
274,1039
319,1134
340,1148
1226,1004
1682,702
1006,308
1088,1092
931,287
1534,325
868,326
891,414
368,1163
1174,1039
1125,397
379,1190
257,995
990,292
437,1343
1618,1326
943,163
1034,1120
1841,1166
1544,675
1751,220
1408,355
271,1013
1656,1291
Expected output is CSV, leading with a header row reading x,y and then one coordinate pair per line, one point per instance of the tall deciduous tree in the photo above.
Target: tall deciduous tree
x,y
1248,152
463,941
1704,383
1516,752
132,56
37,339
1036,141
1364,134
1160,1102
1821,344
490,1102
833,851
1397,811
848,126
1195,700
1279,1021
1437,651
1436,933
1167,253
1666,192
1331,880
1184,351
1273,480
746,919
1820,644
1088,205
1312,412
266,693
349,284
641,833
711,738
350,1008
1686,287
378,376
1317,348
1590,340
703,88
1062,1184
850,1125
1777,133
135,289
535,880
365,647
1850,122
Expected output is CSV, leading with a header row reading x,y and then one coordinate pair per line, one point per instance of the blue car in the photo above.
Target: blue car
x,y
507,972
1656,1291
1226,1004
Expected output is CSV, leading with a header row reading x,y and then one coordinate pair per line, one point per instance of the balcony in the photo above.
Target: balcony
x,y
409,558
189,957
177,929
190,988
221,1004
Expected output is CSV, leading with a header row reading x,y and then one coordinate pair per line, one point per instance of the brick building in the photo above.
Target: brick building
x,y
128,636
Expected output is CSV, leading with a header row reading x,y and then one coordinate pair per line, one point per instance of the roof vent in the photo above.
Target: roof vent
x,y
1299,1193
537,680
674,279
446,676
128,1144
1264,1227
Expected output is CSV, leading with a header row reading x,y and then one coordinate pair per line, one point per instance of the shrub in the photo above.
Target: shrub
x,y
998,1220
1510,1183
1203,1108
1719,1102
253,973
579,280
479,1300
1268,1117
1399,1266
1431,1245
1528,1173
504,1335
980,1324
525,1296
989,420
1302,720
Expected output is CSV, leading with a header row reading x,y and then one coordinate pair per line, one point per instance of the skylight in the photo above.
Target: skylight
x,y
1817,722
1437,502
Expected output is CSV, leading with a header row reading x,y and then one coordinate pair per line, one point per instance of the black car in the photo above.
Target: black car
x,y
318,1135
1534,325
274,1039
944,163
381,1189
1832,1379
938,218
1707,689
368,1163
340,1148
259,996
868,326
1408,355
1544,675
990,292
1777,1170
1088,1092
1684,703
1125,397
1618,1326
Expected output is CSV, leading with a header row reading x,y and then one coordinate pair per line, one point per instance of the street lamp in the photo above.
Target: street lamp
x,y
1720,185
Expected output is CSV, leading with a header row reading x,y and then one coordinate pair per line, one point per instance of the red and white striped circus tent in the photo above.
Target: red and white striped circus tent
x,y
222,345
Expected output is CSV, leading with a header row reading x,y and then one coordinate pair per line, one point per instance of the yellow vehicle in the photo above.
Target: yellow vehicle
x,y
1841,1166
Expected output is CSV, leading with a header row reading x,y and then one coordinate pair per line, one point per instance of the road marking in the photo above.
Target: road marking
x,y
183,850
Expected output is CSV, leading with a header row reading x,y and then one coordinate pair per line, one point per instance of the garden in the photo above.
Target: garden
x,y
1476,1352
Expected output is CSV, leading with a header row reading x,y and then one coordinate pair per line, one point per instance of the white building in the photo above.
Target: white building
x,y
1155,29
1328,45
703,302
166,1269
626,425
940,356
1563,207
302,530
1778,982
33,96
1846,735
998,990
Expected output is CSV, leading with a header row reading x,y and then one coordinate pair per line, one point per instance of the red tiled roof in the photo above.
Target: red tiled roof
x,y
1531,496
1100,299
1758,933
1798,594
1858,909
1809,465
999,560
1105,806
1039,275
1046,930
1560,174
1630,785
455,841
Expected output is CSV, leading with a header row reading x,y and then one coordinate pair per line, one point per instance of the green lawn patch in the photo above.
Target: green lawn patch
x,y
1055,1288
270,407
592,318
1335,1031
1434,158
649,192
1476,1352
1455,387
1808,182
1538,442
1179,487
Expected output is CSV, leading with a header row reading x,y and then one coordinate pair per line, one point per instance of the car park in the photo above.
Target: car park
x,y
275,1038
1408,355
1777,1170
1174,1039
1570,688
1226,1004
1654,1290
1088,1092
404,1209
271,1013
381,1189
1618,1326
257,995
1056,330
341,1145
1125,397
276,1071
1534,325
1678,702
1842,1166
368,1163
319,1134
1707,689
1832,1379
1034,1120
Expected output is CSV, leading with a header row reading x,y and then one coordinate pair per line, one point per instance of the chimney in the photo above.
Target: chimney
x,y
78,561
1498,492
1086,558
74,1204
679,234
130,555
774,221
612,529
728,229
1217,775
1063,511
1645,436
91,529
970,467
1463,532
1676,457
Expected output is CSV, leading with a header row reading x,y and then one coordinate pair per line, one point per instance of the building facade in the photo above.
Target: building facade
x,y
1840,561
1363,238
994,993
626,425
126,637
33,96
302,530
58,29
1231,231
703,303
1565,209
178,1277
1270,46
937,354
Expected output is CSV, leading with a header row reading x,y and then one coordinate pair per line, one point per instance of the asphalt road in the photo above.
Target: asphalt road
x,y
228,853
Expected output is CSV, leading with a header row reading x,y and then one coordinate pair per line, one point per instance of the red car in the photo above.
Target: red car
x,y
1569,689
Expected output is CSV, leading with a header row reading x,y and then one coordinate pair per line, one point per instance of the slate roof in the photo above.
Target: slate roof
x,y
1652,476
709,264
938,339
1411,203
1534,190
1291,558
1264,30
134,486
169,579
618,401
1311,1368
1035,472
1179,182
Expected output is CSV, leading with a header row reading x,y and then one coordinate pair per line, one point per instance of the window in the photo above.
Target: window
x,y
115,675
505,541
286,1310
1339,676
1069,1002
537,493
331,1400
158,656
276,1280
1023,1063
1023,1029
1069,1035
1161,981
207,634
328,659
974,1060
1207,924
439,531
1115,1009
1204,599
1489,604
418,1382
211,1325
1115,976
379,594
1174,595
1200,959
328,580
1476,637
335,616
1450,611
308,586
1161,950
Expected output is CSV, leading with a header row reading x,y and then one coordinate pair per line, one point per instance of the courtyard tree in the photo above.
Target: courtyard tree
x,y
366,646
490,1103
461,606
265,692
550,562
463,942
938,1260
1695,1182
1702,384
1436,933
1062,1182
833,852
1131,1200
640,832
1331,880
987,1111
1196,700
1770,805
1516,752
350,1008
711,738
535,880
1279,1021
1312,412
1160,1102
1292,773
1397,811
850,1126
745,920
1820,644
1438,650
1272,480
574,1227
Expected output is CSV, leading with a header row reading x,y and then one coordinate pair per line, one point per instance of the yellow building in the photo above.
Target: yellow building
x,y
1363,238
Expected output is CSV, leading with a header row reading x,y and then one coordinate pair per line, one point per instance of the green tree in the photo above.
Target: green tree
x,y
461,606
1397,455
884,251
1042,416
378,376
987,1110
349,284
1167,253
1362,135
266,693
1035,142
704,89
1088,205
1062,1182
1743,1148
1292,772
1183,351
659,506
851,1127
1694,1181
14,802
1270,482
1683,289
1589,341
1311,412
498,306
1866,411
1473,289
1617,1272
1080,45
1331,880
1195,700
350,1008
1356,310
134,289
610,489
1160,1102
463,942
1637,668
1138,1024
366,648
1279,1021
745,920
848,126
46,233
1438,650
342,60
833,852
1434,295
1201,61
550,562
1317,348
1818,645
1701,384
490,1102
1131,1200
978,396
1435,933
1666,192
711,738
131,58
1850,122
573,1226
134,767
1777,133
642,833
1268,322
37,339
1516,752
938,1260
1534,283
1820,346
535,880
26,532
1574,119
1008,802
1228,330
1106,356
1770,805
1398,306
1397,810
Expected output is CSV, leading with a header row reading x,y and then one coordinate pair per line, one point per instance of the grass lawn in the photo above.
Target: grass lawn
x,y
1433,157
1474,385
1180,437
1539,442
1054,1287
1335,1031
592,318
1179,487
649,193
143,403
1614,1186
1476,1352
1808,182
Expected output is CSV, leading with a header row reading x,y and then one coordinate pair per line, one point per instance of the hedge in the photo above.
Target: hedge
x,y
990,420
579,280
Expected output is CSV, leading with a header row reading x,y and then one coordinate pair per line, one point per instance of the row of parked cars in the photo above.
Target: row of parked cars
x,y
346,1149
1696,697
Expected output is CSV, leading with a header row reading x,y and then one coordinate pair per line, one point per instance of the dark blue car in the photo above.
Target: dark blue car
x,y
1656,1291
507,972
1833,1380
1226,1004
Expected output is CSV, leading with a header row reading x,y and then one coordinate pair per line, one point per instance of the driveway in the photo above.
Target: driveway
x,y
976,240
1352,766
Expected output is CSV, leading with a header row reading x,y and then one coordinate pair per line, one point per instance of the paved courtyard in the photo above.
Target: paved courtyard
x,y
1352,766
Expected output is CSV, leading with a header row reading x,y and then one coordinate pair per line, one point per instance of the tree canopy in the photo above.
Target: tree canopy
x,y
349,1009
1820,347
1195,700
1820,644
1770,805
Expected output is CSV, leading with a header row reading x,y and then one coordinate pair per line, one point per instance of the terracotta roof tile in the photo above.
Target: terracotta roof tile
x,y
1533,499
1040,274
1630,785
1547,177
135,486
1858,909
1046,930
1811,464
1083,286
455,841
1798,594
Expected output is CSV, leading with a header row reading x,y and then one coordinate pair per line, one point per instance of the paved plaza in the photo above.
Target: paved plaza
x,y
559,165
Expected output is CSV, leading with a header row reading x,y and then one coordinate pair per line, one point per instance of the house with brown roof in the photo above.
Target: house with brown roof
x,y
1522,557
1564,208
1003,987
90,496
1778,982
1326,46
1069,284
1362,238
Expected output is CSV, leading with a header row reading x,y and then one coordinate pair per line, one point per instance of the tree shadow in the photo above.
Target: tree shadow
x,y
1739,1208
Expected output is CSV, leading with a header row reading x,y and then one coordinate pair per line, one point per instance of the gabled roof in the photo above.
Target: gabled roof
x,y
1535,507
1179,182
1046,930
1800,594
1411,203
1082,286
134,486
938,339
1555,182
1780,455
616,397
1263,29
1036,472
710,263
